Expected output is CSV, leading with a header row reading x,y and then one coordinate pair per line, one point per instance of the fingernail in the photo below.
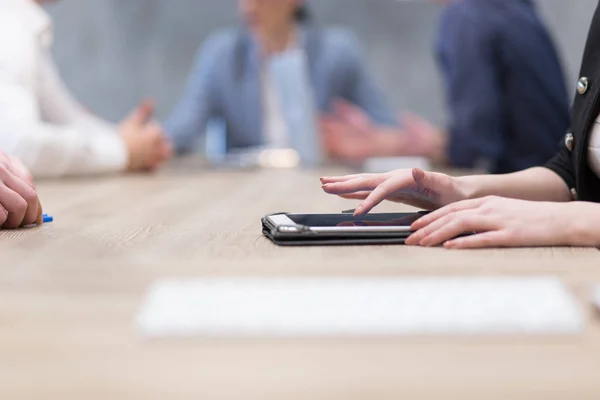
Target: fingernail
x,y
417,241
358,210
415,238
455,244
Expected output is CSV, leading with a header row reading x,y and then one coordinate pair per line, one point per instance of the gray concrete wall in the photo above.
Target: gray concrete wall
x,y
114,52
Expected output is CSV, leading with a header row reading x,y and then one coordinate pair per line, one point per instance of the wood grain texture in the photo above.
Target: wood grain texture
x,y
69,292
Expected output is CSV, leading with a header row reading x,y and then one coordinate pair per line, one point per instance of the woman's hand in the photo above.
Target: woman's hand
x,y
417,188
501,222
19,203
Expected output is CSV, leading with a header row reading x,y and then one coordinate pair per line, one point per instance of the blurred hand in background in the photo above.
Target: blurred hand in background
x,y
349,135
146,142
423,139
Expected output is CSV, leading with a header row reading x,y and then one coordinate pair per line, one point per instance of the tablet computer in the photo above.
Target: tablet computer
x,y
289,229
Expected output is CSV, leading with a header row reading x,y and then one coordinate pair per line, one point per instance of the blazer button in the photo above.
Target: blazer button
x,y
582,85
574,194
569,141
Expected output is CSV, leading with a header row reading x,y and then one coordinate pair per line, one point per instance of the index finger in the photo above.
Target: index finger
x,y
360,184
344,178
382,192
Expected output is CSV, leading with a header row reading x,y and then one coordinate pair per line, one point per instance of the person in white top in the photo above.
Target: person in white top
x,y
44,126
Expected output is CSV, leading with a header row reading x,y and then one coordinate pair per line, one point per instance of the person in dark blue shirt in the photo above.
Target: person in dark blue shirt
x,y
504,87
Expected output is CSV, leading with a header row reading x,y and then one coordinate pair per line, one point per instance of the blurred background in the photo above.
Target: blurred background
x,y
114,52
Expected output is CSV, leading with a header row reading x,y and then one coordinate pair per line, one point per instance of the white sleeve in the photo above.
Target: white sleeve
x,y
71,143
59,107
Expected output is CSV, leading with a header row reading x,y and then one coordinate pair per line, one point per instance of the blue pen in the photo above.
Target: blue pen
x,y
45,219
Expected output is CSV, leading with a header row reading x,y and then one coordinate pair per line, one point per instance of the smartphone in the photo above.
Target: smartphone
x,y
344,223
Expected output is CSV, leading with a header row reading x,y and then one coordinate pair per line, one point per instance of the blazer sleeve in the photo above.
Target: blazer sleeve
x,y
187,122
562,165
364,91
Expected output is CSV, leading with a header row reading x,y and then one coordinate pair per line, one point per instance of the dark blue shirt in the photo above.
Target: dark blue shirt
x,y
504,83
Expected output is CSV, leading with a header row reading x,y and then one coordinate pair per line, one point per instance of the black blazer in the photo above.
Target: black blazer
x,y
571,163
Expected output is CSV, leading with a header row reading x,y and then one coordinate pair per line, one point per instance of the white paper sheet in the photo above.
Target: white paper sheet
x,y
358,307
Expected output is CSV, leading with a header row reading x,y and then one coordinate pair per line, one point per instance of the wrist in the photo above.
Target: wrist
x,y
468,187
580,228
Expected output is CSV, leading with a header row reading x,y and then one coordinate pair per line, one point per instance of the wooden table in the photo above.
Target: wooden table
x,y
69,292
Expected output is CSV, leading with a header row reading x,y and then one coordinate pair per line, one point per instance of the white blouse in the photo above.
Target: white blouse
x,y
275,124
594,147
40,122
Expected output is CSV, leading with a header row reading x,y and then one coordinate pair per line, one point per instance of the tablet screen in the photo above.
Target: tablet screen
x,y
335,220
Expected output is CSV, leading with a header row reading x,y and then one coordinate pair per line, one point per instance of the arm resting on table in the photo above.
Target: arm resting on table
x,y
535,184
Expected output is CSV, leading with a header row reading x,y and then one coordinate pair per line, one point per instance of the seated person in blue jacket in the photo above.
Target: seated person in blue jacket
x,y
268,80
505,90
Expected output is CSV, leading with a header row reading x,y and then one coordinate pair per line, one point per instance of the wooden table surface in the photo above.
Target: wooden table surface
x,y
69,292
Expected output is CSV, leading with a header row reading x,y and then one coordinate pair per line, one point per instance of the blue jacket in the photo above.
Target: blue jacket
x,y
505,86
225,84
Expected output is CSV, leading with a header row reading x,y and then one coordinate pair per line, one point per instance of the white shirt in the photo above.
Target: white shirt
x,y
275,123
39,121
594,147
